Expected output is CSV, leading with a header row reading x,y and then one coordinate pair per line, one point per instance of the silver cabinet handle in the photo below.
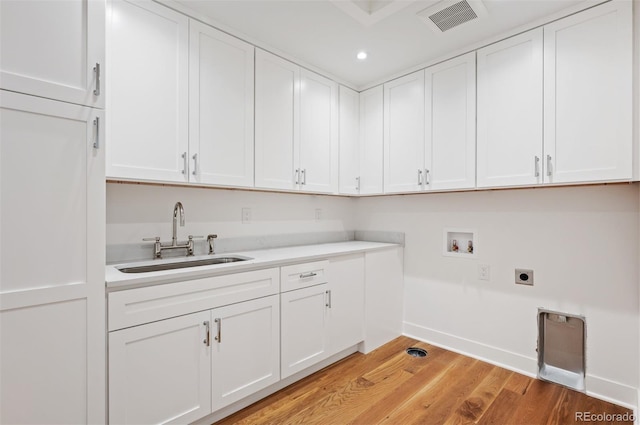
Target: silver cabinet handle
x,y
297,176
328,304
96,70
207,338
184,163
537,166
304,175
358,184
426,177
96,141
219,336
306,275
419,177
548,165
195,164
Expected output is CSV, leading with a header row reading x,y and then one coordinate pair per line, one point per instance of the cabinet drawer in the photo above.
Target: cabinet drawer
x,y
303,275
143,305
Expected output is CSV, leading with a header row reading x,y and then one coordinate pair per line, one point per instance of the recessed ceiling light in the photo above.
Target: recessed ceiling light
x,y
362,55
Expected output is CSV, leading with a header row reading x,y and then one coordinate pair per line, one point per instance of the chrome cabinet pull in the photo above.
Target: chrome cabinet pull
x,y
96,70
306,275
304,175
195,164
96,141
297,176
219,336
207,338
549,165
537,166
419,177
328,304
426,177
358,184
184,163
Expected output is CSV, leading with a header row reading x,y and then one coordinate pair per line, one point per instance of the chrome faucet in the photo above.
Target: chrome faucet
x,y
178,210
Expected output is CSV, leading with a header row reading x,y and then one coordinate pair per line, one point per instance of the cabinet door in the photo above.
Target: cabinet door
x,y
39,58
318,133
52,312
450,136
303,328
220,108
160,372
510,111
148,92
277,108
588,95
346,303
349,143
245,339
404,134
371,141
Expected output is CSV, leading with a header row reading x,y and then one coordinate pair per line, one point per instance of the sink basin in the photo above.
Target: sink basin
x,y
180,264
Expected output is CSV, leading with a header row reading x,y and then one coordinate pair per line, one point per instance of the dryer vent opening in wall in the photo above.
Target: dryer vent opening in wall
x,y
561,349
449,14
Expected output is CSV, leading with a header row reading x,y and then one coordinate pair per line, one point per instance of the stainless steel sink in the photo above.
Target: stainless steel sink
x,y
180,264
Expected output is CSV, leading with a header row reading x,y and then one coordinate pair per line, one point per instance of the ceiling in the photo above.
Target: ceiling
x,y
327,34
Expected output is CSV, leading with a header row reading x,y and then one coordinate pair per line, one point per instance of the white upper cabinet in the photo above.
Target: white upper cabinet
x,y
220,108
349,143
450,124
510,111
296,140
39,58
277,109
148,92
371,141
588,95
318,161
404,134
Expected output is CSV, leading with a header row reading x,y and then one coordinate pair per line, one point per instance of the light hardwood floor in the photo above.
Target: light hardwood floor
x,y
388,386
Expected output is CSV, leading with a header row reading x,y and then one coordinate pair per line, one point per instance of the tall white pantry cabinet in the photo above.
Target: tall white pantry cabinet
x,y
52,212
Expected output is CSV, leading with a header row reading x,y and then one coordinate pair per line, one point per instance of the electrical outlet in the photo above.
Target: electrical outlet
x,y
524,277
318,214
246,215
484,271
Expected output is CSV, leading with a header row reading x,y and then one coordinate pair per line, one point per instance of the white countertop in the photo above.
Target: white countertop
x,y
260,259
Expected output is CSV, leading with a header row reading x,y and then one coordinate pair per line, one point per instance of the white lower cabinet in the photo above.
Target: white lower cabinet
x,y
304,316
245,353
345,315
160,372
322,320
188,356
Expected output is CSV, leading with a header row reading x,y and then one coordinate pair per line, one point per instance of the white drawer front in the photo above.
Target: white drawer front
x,y
143,305
303,275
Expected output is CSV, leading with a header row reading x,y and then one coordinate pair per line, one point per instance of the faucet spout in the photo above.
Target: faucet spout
x,y
178,209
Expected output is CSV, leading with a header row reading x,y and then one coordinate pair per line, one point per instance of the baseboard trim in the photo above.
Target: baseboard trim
x,y
597,387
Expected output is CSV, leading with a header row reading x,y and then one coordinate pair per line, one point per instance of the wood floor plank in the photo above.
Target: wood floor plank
x,y
389,387
384,403
474,406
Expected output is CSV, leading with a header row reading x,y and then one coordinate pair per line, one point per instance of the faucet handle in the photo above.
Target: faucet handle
x,y
156,239
191,237
210,239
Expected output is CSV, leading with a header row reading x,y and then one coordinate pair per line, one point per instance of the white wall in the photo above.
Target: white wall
x,y
581,242
137,211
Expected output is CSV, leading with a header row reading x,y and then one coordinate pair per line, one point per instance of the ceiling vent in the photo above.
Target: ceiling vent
x,y
450,14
